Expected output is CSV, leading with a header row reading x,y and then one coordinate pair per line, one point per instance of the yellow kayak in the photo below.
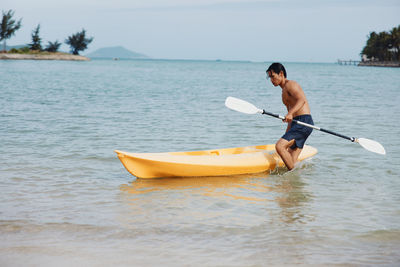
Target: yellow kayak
x,y
216,162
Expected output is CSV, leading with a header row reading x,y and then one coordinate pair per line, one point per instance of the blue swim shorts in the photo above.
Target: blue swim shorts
x,y
298,132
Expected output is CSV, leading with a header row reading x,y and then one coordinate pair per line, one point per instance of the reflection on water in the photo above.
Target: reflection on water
x,y
285,190
230,186
293,198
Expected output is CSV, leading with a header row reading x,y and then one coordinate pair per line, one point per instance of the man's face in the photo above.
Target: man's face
x,y
275,78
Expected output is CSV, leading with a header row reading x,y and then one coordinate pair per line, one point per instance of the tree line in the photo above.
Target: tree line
x,y
8,27
383,46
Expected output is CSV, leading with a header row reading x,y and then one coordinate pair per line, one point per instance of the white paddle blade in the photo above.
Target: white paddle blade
x,y
241,106
371,145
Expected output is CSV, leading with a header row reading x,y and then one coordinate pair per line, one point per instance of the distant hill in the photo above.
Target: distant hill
x,y
12,46
115,52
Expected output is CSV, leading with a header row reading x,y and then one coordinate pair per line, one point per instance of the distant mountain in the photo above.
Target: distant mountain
x,y
11,47
115,52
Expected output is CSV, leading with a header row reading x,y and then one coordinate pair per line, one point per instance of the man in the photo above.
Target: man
x,y
291,143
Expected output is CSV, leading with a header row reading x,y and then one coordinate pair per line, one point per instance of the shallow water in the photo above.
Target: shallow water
x,y
66,199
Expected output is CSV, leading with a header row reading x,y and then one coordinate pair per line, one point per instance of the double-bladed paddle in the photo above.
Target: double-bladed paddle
x,y
248,108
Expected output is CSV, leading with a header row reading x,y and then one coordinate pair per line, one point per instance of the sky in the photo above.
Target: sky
x,y
260,30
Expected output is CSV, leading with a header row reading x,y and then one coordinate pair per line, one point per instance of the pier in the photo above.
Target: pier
x,y
348,62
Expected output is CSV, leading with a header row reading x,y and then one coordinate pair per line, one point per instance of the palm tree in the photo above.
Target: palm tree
x,y
8,26
370,50
36,40
383,46
78,42
395,34
53,47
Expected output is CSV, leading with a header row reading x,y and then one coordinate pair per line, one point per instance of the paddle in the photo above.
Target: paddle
x,y
248,108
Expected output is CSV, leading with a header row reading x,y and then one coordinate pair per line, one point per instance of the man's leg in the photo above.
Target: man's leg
x,y
282,147
288,155
295,154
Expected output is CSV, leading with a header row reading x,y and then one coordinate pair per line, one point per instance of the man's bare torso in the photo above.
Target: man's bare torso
x,y
291,94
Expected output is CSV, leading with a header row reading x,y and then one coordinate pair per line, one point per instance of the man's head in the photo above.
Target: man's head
x,y
276,72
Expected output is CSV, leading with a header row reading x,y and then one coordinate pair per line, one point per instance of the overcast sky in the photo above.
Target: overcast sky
x,y
264,30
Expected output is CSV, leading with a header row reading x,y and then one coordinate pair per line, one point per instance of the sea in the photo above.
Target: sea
x,y
66,199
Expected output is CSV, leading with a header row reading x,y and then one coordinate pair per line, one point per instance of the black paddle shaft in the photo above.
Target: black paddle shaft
x,y
271,114
352,139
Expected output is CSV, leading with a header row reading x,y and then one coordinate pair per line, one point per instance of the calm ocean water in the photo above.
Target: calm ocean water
x,y
67,200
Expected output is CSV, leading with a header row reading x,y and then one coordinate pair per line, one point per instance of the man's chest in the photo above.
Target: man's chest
x,y
286,98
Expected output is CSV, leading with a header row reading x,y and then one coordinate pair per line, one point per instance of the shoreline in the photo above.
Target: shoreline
x,y
389,64
55,56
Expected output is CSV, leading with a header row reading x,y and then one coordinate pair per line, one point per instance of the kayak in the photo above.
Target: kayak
x,y
216,162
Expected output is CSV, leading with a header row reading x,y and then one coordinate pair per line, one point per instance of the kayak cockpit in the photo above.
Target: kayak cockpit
x,y
227,151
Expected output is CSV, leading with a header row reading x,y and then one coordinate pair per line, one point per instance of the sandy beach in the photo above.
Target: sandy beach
x,y
52,56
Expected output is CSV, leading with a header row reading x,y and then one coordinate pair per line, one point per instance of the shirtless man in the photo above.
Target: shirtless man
x,y
291,143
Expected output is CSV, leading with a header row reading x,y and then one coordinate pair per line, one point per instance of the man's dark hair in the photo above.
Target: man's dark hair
x,y
277,68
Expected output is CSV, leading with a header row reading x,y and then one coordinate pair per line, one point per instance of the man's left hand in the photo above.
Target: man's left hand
x,y
288,118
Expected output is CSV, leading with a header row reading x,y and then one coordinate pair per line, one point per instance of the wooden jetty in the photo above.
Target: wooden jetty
x,y
348,62
371,63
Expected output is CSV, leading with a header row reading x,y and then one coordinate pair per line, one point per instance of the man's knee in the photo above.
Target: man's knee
x,y
280,145
284,144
